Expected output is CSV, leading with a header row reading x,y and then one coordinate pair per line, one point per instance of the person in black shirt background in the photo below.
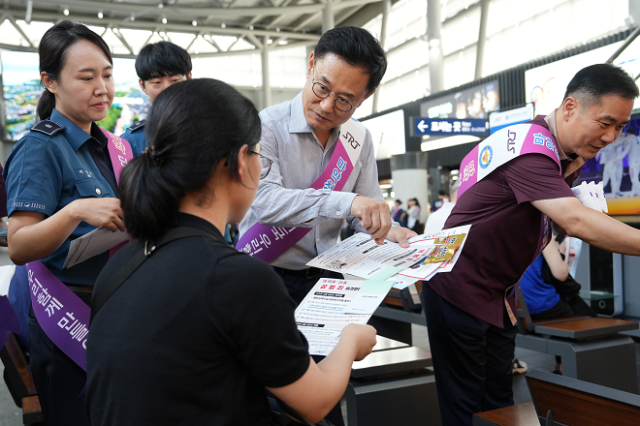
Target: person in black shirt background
x,y
199,332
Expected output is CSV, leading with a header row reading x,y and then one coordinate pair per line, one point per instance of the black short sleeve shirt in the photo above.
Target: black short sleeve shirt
x,y
192,337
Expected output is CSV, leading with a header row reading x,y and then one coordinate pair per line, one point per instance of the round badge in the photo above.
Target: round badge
x,y
486,155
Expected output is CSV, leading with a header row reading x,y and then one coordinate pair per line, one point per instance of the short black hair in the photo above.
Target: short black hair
x,y
595,81
357,47
442,193
399,201
162,59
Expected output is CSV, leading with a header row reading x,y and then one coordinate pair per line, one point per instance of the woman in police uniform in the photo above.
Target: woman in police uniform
x,y
61,185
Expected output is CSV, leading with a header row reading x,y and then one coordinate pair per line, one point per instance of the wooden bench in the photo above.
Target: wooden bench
x,y
591,348
19,380
393,385
563,401
574,327
516,415
578,403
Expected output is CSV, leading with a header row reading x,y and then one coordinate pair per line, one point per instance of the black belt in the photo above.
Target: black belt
x,y
307,273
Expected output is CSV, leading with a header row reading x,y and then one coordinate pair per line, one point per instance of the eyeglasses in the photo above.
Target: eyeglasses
x,y
265,164
321,91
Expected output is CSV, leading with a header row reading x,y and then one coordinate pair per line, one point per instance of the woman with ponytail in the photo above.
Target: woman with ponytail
x,y
198,330
61,184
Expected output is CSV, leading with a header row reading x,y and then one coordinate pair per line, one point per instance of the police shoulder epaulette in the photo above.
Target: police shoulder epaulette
x,y
47,127
137,125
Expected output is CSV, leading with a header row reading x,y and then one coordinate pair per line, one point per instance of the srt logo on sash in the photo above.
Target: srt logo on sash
x,y
352,141
511,142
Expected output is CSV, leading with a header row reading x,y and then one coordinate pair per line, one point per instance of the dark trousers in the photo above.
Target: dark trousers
x,y
298,284
59,381
472,360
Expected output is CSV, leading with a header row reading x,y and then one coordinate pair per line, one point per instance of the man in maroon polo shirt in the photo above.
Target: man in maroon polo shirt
x,y
470,310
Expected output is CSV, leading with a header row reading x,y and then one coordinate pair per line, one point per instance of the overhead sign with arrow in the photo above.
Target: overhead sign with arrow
x,y
449,126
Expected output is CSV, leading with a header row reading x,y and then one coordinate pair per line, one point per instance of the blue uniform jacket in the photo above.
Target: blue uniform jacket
x,y
136,138
49,168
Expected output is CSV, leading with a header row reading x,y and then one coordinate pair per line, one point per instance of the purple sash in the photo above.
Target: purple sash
x,y
60,313
120,154
63,316
502,147
268,242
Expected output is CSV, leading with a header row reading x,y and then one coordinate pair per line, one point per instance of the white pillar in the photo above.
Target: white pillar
x,y
386,7
434,33
266,84
328,21
482,38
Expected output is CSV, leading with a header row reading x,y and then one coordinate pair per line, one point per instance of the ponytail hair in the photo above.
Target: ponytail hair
x,y
46,104
191,127
53,52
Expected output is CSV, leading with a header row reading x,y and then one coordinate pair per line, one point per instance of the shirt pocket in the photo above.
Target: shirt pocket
x,y
88,188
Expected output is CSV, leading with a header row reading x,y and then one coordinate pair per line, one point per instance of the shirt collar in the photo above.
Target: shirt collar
x,y
298,122
553,128
74,134
186,219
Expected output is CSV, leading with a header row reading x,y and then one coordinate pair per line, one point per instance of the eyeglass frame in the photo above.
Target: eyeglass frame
x,y
226,163
328,92
262,157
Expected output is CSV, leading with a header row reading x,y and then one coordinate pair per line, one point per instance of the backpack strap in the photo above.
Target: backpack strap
x,y
143,252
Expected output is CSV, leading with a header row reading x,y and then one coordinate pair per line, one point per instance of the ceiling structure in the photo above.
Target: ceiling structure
x,y
204,27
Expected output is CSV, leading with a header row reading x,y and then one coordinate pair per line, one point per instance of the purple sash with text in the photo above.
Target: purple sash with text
x,y
497,150
502,147
269,242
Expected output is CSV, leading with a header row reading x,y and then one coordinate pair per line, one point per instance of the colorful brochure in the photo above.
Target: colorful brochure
x,y
332,304
427,255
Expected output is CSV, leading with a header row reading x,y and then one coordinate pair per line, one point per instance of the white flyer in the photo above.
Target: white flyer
x,y
92,244
359,255
332,304
572,253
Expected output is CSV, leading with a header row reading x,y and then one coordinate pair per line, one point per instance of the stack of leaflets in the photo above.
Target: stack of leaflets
x,y
426,256
334,303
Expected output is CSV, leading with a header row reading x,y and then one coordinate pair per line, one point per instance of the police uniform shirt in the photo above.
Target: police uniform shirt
x,y
54,164
136,138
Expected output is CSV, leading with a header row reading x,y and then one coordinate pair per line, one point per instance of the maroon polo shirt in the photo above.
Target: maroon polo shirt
x,y
504,235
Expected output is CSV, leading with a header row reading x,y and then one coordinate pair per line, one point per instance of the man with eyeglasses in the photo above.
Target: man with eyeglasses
x,y
301,137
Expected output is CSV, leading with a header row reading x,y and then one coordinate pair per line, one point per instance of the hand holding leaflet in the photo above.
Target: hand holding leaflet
x,y
359,255
92,244
333,304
